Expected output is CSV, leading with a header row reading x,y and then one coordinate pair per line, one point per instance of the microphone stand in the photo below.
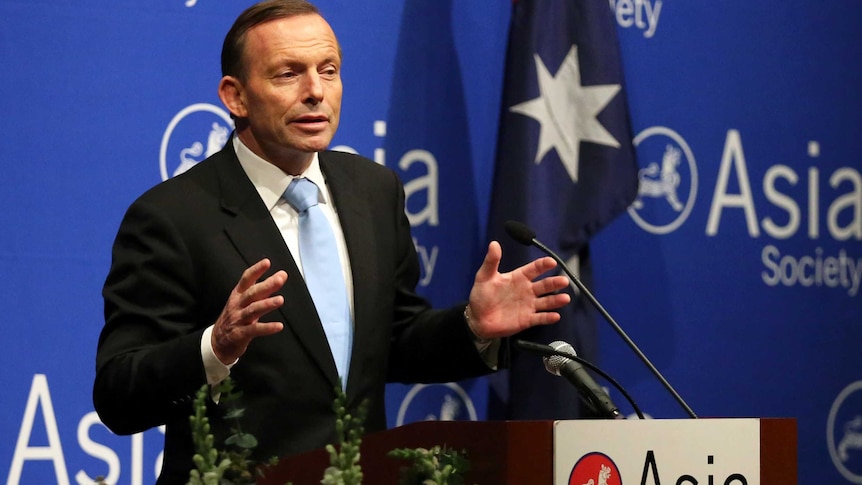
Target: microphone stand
x,y
586,292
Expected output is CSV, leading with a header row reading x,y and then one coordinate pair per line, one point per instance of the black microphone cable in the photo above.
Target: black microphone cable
x,y
547,350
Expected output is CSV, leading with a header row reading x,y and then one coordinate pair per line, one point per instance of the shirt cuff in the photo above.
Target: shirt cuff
x,y
489,349
215,370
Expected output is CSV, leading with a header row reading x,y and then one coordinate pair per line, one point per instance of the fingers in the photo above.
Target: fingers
x,y
258,292
255,299
252,274
544,318
552,302
551,284
238,323
491,264
543,313
531,271
535,268
250,314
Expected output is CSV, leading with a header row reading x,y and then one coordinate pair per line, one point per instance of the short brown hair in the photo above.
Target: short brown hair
x,y
232,62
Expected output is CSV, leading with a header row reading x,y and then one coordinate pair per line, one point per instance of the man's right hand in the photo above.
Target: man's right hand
x,y
238,323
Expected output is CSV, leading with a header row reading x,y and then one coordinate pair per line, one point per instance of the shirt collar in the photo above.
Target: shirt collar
x,y
270,181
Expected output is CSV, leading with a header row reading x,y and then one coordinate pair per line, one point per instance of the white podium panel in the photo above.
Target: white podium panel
x,y
652,452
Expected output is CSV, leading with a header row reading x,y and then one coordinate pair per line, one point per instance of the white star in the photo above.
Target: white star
x,y
567,112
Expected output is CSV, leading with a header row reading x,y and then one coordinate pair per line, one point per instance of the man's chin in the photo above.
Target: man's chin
x,y
311,144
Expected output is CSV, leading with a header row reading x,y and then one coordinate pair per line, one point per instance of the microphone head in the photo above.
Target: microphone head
x,y
554,363
520,232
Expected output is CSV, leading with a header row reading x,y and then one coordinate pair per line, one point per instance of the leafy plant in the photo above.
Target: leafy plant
x,y
230,466
437,466
344,468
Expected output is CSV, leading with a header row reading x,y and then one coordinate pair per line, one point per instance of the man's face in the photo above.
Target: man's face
x,y
291,95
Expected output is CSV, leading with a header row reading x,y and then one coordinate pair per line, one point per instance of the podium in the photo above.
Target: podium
x,y
732,451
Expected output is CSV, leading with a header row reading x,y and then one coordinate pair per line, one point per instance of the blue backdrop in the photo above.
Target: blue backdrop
x,y
737,269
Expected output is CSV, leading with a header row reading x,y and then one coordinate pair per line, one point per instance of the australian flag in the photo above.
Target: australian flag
x,y
566,167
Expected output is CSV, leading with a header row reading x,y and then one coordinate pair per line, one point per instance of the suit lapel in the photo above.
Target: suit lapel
x,y
255,236
354,215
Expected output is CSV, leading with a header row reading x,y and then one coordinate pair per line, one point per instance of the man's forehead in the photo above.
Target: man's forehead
x,y
296,32
297,26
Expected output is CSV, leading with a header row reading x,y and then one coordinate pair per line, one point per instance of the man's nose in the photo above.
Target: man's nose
x,y
313,88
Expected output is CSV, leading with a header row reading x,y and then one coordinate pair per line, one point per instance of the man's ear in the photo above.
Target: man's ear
x,y
230,90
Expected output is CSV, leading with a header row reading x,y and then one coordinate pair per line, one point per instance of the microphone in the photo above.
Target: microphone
x,y
596,398
560,359
522,233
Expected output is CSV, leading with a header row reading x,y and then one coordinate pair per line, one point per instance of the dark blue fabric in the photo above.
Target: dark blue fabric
x,y
564,212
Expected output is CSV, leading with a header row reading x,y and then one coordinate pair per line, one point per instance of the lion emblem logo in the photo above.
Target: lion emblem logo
x,y
661,183
851,440
667,189
844,432
189,157
196,132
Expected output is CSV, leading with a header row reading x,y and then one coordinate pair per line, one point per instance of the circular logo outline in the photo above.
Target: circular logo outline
x,y
830,432
408,398
692,166
194,108
591,454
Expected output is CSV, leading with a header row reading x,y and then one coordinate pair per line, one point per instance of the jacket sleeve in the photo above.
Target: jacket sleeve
x,y
428,345
148,362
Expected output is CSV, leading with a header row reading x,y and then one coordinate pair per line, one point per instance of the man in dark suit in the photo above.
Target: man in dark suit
x,y
207,281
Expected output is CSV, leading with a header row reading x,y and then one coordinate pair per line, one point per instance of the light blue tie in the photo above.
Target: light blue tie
x,y
322,270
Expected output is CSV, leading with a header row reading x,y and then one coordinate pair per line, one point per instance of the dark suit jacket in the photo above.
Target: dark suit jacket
x,y
181,249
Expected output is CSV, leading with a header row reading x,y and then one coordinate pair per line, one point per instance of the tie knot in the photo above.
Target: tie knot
x,y
301,194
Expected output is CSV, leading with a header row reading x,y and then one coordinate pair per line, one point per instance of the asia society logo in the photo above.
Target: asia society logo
x,y
667,184
844,432
436,402
194,133
595,469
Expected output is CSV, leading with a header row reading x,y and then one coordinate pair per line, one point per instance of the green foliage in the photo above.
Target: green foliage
x,y
230,466
437,466
344,468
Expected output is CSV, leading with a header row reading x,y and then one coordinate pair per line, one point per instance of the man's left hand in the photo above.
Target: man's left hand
x,y
503,304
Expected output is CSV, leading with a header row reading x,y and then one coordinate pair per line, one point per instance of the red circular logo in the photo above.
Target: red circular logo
x,y
595,469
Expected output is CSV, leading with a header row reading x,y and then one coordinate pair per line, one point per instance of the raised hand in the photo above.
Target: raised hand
x,y
502,304
238,323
